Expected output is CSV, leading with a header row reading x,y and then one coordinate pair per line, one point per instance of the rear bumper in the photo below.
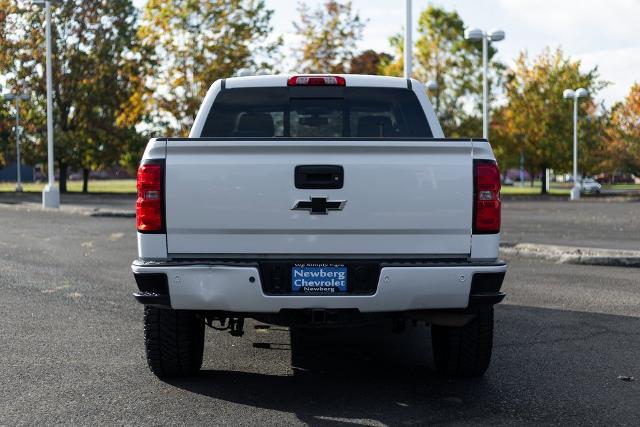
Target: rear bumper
x,y
237,288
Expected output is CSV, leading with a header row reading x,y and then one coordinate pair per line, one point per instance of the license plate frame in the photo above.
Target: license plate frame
x,y
319,278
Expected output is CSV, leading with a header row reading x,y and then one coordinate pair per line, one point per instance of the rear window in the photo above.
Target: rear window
x,y
316,112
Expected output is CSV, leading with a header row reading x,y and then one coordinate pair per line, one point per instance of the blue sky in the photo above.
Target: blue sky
x,y
598,32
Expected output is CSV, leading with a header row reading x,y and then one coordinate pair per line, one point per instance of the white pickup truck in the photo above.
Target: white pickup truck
x,y
318,201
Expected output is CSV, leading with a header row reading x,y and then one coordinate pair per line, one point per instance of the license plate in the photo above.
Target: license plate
x,y
319,278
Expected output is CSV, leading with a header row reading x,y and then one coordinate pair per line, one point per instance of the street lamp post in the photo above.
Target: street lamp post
x,y
50,194
18,98
492,36
575,95
408,43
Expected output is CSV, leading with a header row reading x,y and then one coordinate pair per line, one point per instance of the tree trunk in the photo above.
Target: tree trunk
x,y
63,178
85,180
543,190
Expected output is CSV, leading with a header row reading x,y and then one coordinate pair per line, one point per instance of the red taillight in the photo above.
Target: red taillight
x,y
316,81
149,203
486,198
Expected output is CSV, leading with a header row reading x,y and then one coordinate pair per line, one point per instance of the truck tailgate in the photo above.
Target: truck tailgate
x,y
235,197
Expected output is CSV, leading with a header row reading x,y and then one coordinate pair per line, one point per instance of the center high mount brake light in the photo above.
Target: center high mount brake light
x,y
316,81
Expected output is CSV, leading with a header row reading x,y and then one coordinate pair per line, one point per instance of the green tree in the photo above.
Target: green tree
x,y
537,120
195,42
329,34
94,65
443,54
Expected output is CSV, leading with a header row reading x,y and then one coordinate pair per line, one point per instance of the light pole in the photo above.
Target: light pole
x,y
408,44
575,95
50,194
492,36
18,97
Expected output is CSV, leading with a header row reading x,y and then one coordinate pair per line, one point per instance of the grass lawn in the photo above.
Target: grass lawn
x,y
97,186
527,190
621,186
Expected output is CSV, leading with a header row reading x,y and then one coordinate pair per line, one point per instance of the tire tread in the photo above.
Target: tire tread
x,y
464,351
174,341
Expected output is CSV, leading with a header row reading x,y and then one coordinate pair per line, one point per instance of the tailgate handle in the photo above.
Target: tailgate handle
x,y
319,176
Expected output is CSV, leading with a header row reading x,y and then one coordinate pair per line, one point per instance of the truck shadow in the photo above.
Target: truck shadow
x,y
372,376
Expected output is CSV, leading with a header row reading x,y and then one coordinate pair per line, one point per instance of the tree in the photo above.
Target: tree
x,y
94,65
195,42
536,119
621,150
396,66
329,36
369,62
443,54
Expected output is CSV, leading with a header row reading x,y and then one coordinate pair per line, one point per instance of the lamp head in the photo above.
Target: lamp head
x,y
21,96
581,93
473,34
432,85
568,94
496,35
43,3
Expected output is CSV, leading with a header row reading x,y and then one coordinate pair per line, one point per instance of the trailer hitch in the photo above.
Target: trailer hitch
x,y
235,325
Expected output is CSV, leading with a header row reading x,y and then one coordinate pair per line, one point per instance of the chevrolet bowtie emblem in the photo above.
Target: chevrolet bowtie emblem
x,y
319,205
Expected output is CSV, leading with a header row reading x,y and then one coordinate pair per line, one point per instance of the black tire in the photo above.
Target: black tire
x,y
174,340
464,351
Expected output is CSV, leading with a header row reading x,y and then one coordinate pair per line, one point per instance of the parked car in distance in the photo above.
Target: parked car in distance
x,y
590,186
618,178
514,175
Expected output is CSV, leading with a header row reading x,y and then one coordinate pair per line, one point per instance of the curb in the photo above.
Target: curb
x,y
112,214
573,255
73,209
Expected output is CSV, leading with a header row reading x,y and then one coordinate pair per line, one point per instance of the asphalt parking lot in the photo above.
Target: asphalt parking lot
x,y
72,351
591,222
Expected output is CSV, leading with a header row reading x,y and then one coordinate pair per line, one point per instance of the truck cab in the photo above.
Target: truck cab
x,y
318,201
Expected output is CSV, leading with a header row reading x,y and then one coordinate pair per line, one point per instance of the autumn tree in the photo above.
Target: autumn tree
x,y
369,62
536,119
621,150
443,54
93,62
329,35
194,43
395,67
